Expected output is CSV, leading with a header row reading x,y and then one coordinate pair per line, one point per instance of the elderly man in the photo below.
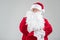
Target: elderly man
x,y
34,26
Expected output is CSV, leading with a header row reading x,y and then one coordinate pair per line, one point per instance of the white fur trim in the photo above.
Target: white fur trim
x,y
36,6
39,34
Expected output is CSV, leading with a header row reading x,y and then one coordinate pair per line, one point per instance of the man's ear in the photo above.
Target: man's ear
x,y
43,10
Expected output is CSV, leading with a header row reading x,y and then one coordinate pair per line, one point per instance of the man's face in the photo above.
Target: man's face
x,y
35,10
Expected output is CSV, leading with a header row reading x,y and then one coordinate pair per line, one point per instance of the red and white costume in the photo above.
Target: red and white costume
x,y
34,26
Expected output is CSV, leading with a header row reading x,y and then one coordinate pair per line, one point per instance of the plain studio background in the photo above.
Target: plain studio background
x,y
12,11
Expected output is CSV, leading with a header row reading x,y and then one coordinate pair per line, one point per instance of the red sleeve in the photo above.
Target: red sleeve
x,y
23,26
47,28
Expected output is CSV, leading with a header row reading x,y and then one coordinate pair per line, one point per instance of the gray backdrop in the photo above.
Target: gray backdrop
x,y
12,11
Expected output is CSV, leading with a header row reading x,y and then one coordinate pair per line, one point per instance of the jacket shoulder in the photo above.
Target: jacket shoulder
x,y
45,19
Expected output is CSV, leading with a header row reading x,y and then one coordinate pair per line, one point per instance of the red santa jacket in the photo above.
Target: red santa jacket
x,y
30,36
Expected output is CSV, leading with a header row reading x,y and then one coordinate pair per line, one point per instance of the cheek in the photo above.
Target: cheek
x,y
35,11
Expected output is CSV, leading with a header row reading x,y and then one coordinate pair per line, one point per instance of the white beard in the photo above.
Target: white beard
x,y
35,22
